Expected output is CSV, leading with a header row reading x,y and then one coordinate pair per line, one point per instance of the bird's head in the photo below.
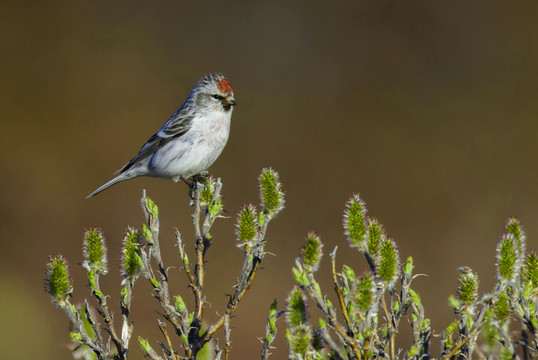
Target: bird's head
x,y
214,91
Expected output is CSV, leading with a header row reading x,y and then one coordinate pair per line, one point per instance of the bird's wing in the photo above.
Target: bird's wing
x,y
173,128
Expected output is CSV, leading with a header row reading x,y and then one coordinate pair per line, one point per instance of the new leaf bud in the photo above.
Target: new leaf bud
x,y
375,234
508,264
530,270
468,287
246,228
296,308
58,282
312,252
365,293
513,227
355,222
388,263
94,251
502,308
131,262
271,195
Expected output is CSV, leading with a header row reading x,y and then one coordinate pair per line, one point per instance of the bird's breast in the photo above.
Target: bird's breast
x,y
196,150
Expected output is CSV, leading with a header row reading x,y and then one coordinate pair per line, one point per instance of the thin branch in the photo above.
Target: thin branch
x,y
227,331
173,355
340,296
107,317
199,267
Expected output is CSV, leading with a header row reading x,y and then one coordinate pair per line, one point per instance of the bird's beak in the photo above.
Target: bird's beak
x,y
230,101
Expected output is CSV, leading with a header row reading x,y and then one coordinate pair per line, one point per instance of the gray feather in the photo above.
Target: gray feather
x,y
117,179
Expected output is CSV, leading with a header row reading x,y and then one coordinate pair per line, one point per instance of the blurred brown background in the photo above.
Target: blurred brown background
x,y
427,109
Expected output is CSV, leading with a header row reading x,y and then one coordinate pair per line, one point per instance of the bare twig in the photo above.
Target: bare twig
x,y
340,295
107,317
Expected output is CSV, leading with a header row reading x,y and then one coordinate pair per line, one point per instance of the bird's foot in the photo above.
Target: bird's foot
x,y
193,182
201,177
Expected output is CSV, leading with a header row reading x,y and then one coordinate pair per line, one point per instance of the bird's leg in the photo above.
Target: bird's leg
x,y
192,187
192,183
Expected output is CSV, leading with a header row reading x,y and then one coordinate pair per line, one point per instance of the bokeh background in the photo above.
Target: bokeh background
x,y
427,109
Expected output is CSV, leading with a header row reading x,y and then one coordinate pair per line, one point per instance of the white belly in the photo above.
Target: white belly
x,y
193,152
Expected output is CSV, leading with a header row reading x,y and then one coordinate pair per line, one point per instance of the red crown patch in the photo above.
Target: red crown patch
x,y
224,86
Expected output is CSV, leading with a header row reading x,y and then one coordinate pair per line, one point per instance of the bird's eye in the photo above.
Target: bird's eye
x,y
218,97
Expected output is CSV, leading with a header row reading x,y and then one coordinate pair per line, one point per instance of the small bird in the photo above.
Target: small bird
x,y
190,141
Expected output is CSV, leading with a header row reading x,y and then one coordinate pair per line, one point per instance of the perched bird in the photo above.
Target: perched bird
x,y
190,140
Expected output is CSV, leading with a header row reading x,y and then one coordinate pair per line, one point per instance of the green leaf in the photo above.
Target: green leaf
x,y
75,336
179,304
469,322
98,294
146,233
152,207
408,267
317,289
349,274
412,351
215,208
273,311
425,324
145,345
450,328
300,276
396,306
415,298
190,317
154,283
453,302
91,279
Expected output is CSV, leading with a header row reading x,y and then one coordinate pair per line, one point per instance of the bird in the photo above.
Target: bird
x,y
190,141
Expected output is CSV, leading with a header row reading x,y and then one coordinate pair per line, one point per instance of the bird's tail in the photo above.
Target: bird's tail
x,y
117,179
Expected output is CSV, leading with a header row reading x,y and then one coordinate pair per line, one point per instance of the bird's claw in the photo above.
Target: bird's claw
x,y
193,182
